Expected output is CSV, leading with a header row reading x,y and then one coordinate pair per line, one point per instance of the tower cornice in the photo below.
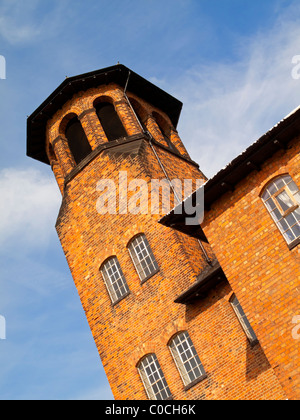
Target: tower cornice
x,y
37,121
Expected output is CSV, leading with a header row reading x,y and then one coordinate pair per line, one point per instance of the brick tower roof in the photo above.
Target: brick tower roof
x,y
36,122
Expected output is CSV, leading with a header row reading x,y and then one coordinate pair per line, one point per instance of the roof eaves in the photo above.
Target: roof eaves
x,y
277,137
36,122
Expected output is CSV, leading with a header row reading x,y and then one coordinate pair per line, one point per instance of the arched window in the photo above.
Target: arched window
x,y
143,258
115,280
153,378
282,199
77,140
243,320
139,112
165,130
110,121
186,358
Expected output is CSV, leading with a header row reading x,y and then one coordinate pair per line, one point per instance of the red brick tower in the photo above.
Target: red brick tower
x,y
157,302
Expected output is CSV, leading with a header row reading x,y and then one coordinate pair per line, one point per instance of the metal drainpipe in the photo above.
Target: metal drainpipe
x,y
149,135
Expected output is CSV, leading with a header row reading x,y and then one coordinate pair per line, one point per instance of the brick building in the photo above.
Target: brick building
x,y
252,222
178,313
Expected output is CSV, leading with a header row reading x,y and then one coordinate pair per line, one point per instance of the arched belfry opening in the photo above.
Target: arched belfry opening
x,y
77,140
140,113
165,130
110,121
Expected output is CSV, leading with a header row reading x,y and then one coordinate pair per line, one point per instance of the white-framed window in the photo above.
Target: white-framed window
x,y
153,378
282,199
114,279
186,358
245,324
143,258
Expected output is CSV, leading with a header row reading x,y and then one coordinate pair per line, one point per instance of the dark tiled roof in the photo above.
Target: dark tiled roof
x,y
36,123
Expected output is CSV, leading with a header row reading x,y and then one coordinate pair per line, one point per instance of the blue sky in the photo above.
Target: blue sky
x,y
228,61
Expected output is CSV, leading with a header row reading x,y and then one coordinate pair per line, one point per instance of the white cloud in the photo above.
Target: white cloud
x,y
23,22
10,30
13,16
29,205
228,106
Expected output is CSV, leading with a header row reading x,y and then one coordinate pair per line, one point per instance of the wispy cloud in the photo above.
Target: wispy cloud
x,y
22,22
228,106
14,25
47,333
29,203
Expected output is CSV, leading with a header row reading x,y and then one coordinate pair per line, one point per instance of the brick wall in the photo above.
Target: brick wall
x,y
262,271
147,318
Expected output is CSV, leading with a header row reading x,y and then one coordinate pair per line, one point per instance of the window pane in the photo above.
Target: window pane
x,y
186,358
284,201
188,354
114,279
289,236
279,183
265,195
296,231
293,187
297,214
153,379
197,372
243,320
287,179
277,215
272,189
193,363
283,225
143,257
270,204
291,220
